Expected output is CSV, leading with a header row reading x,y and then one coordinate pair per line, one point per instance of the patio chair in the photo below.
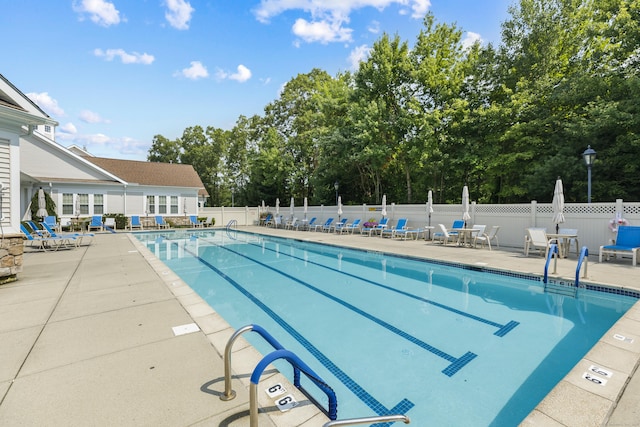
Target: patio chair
x,y
349,228
444,236
327,224
193,220
627,242
160,222
96,222
135,222
486,238
306,225
290,225
267,219
51,222
75,237
375,229
458,223
401,226
572,240
337,227
44,243
536,238
110,224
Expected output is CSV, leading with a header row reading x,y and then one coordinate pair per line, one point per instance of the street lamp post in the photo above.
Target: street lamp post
x,y
336,186
589,157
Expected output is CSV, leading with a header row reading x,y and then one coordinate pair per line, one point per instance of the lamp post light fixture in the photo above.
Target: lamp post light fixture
x,y
589,157
336,185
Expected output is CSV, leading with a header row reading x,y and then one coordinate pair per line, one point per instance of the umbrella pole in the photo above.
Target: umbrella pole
x,y
429,226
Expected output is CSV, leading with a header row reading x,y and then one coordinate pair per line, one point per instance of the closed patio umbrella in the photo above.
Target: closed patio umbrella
x,y
42,205
384,206
77,206
339,207
291,208
465,205
305,208
429,209
558,204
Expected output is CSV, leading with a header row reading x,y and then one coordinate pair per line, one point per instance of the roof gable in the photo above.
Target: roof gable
x,y
13,98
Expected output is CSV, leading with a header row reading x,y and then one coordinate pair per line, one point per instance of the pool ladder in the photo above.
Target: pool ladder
x,y
298,367
559,288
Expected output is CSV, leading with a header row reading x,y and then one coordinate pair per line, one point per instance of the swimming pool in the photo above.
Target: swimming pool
x,y
446,346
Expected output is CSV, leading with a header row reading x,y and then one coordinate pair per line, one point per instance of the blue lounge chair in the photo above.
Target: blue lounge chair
x,y
326,225
76,238
306,225
627,242
458,223
377,229
349,228
135,222
160,223
267,219
391,232
96,222
51,222
44,243
337,227
194,221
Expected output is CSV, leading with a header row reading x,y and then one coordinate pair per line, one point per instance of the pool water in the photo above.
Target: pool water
x,y
442,344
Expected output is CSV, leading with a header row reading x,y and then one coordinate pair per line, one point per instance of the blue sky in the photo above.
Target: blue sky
x,y
114,73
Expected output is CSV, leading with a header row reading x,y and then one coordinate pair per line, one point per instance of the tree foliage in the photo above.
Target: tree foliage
x,y
438,114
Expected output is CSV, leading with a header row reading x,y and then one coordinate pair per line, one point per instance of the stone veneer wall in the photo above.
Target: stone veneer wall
x,y
11,250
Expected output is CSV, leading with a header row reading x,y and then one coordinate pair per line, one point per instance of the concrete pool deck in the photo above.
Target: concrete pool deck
x,y
102,335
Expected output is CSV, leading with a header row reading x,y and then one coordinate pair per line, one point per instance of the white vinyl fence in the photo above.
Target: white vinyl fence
x,y
591,220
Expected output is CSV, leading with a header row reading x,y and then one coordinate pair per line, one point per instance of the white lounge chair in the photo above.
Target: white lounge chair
x,y
444,235
486,238
536,238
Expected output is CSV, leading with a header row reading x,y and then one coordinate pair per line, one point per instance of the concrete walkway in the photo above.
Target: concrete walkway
x,y
93,336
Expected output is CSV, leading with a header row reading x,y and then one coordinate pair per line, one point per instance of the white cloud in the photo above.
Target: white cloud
x,y
179,13
328,17
48,104
194,72
91,117
321,31
358,55
242,75
103,145
126,58
470,39
374,27
68,128
420,8
100,12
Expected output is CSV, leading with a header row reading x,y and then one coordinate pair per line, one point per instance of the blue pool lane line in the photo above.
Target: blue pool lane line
x,y
401,408
456,363
502,329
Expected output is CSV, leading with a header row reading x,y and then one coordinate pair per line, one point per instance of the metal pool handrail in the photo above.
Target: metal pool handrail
x,y
553,248
584,254
298,366
368,420
229,394
281,352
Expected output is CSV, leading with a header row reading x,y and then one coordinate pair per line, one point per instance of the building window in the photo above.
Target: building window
x,y
47,128
83,199
162,204
151,205
98,204
174,204
67,204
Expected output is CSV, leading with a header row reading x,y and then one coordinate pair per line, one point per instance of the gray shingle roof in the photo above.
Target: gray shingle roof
x,y
150,173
